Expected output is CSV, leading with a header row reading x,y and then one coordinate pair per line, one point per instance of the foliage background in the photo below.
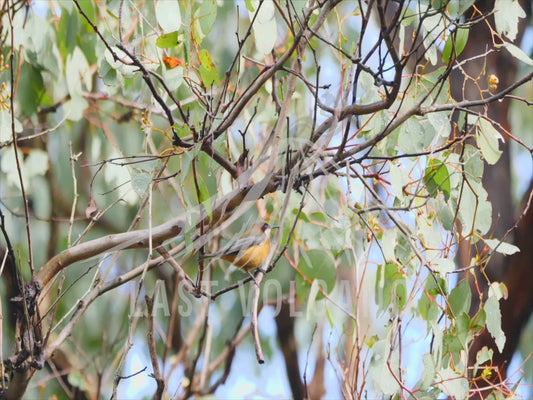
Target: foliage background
x,y
371,151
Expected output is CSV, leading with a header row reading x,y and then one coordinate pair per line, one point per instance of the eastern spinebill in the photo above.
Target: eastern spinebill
x,y
250,251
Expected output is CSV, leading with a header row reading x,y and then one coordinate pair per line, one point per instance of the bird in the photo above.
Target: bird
x,y
250,251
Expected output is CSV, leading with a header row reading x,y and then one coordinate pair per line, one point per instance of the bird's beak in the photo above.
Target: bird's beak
x,y
274,227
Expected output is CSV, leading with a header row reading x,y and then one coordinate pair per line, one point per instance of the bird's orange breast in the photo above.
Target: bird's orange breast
x,y
250,258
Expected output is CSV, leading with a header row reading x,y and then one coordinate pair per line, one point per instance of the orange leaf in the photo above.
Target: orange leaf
x,y
172,62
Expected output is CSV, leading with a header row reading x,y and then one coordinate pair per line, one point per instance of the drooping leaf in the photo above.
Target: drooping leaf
x,y
444,213
502,247
315,265
5,126
487,139
208,70
494,320
391,287
437,179
458,7
428,374
265,27
455,44
460,298
380,367
78,73
507,13
475,211
31,89
140,181
205,17
168,15
518,53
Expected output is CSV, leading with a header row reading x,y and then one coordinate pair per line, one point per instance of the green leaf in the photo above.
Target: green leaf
x,y
208,70
432,23
498,290
168,15
389,242
502,247
31,90
428,307
77,379
473,163
318,216
518,53
249,5
506,15
487,139
315,265
78,72
205,196
205,17
444,266
494,320
460,298
182,131
5,126
428,374
455,44
186,161
36,163
75,107
409,17
456,8
426,82
380,370
310,234
209,77
444,212
391,287
206,60
440,121
462,329
314,309
69,28
167,40
140,181
414,138
265,28
173,78
333,239
437,179
453,384
438,4
482,356
399,179
475,211
108,72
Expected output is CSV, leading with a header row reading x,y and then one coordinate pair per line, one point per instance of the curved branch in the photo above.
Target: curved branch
x,y
119,241
157,235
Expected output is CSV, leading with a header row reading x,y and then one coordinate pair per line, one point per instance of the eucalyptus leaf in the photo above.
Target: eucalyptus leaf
x,y
168,15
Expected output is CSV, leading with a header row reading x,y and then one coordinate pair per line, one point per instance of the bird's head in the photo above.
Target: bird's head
x,y
263,227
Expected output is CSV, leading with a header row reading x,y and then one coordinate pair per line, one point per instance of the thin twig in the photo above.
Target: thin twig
x,y
160,381
258,277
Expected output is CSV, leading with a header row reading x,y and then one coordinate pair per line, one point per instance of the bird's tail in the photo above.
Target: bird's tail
x,y
206,256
